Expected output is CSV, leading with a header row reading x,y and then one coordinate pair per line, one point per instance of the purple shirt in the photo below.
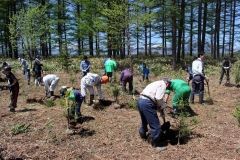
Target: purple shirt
x,y
126,73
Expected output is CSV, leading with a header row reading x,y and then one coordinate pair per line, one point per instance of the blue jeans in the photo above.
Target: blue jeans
x,y
148,113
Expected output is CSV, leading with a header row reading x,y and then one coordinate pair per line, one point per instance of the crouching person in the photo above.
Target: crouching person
x,y
127,77
74,101
181,96
90,81
13,86
150,101
50,82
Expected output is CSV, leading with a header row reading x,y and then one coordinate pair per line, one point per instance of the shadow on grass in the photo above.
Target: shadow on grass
x,y
230,85
87,119
85,132
27,110
102,104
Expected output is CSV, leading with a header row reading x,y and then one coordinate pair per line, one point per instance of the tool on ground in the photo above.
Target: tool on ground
x,y
209,99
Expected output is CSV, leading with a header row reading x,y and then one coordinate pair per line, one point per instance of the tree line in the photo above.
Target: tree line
x,y
119,27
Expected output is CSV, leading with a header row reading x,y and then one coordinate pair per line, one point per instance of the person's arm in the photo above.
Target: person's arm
x,y
121,77
81,66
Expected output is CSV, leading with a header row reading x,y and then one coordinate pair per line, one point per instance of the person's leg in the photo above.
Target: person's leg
x,y
78,110
193,91
143,129
130,85
227,74
28,76
13,98
201,91
53,86
176,102
221,76
91,90
124,84
150,113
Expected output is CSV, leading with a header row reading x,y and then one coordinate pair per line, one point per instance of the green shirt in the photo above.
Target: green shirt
x,y
110,65
178,86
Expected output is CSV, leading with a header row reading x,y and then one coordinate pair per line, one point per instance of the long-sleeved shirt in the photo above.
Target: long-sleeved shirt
x,y
126,73
85,66
178,86
24,63
50,81
91,80
197,67
155,91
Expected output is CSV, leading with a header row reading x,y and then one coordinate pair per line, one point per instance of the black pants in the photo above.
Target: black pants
x,y
197,88
224,71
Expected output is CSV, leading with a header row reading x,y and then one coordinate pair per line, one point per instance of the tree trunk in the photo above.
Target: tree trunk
x,y
233,27
224,28
59,25
174,29
191,32
204,26
145,33
199,25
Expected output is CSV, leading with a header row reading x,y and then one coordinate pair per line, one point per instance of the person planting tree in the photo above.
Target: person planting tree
x,y
89,81
225,69
127,77
73,99
181,91
13,86
50,82
152,99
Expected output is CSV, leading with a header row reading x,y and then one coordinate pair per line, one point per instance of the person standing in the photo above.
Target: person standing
x,y
25,69
50,82
13,86
37,70
85,65
110,66
225,69
152,99
198,78
127,77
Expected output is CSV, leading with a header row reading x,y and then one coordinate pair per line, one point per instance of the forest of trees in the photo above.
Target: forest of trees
x,y
119,27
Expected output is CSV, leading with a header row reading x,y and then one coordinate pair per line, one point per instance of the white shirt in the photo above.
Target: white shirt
x,y
50,81
90,79
197,67
155,90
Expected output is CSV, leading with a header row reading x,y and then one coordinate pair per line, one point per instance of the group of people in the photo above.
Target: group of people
x,y
153,98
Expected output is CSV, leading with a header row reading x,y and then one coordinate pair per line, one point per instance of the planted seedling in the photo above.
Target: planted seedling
x,y
236,114
20,128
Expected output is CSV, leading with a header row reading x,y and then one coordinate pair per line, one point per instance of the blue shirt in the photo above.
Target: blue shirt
x,y
85,66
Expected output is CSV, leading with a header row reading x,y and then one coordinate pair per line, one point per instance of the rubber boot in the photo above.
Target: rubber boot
x,y
91,99
201,95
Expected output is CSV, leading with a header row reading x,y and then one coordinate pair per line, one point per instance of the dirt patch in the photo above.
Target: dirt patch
x,y
110,133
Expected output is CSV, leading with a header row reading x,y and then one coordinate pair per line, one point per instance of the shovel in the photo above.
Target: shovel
x,y
209,99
